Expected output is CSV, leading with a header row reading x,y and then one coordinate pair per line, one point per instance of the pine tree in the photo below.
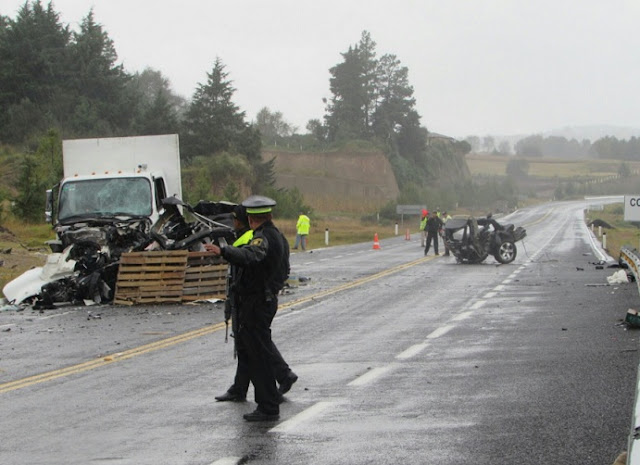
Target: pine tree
x,y
33,70
212,122
101,83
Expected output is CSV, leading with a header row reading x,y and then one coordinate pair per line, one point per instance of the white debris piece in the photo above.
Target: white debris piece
x,y
618,277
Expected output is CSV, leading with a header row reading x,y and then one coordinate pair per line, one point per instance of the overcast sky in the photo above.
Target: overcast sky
x,y
477,67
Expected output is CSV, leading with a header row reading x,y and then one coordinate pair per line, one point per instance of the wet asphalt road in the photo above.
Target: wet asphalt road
x,y
401,358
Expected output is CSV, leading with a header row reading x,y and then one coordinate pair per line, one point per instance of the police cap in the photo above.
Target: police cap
x,y
257,204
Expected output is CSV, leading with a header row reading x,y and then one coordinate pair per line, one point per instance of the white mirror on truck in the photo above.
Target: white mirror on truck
x,y
48,207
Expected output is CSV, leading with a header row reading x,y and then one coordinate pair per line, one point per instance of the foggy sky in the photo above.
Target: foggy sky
x,y
477,67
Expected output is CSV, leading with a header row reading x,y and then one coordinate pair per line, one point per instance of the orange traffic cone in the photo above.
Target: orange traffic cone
x,y
376,244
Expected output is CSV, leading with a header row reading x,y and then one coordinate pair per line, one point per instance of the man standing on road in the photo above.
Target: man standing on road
x,y
302,231
283,374
263,266
433,227
445,217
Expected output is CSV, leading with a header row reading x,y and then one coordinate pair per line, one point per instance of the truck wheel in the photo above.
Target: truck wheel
x,y
506,253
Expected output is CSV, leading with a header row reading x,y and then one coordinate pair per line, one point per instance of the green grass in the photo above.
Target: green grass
x,y
622,232
488,165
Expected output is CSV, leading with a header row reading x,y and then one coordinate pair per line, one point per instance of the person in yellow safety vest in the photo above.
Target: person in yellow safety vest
x,y
302,231
423,226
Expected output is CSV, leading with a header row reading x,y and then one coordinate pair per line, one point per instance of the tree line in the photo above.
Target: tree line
x,y
536,145
57,83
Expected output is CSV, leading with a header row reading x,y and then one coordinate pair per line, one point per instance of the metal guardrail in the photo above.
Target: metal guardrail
x,y
631,257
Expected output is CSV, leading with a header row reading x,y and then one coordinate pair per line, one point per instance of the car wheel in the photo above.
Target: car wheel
x,y
506,253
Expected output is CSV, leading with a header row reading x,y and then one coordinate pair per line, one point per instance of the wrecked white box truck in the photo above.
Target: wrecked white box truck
x,y
109,198
120,176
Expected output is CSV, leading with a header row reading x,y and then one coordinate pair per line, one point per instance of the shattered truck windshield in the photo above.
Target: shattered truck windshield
x,y
103,198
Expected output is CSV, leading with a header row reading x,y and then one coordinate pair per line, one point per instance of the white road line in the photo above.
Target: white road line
x,y
370,376
507,281
412,351
488,295
305,415
440,331
462,316
499,288
54,316
478,304
227,461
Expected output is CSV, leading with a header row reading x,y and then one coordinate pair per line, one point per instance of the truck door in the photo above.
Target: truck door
x,y
160,192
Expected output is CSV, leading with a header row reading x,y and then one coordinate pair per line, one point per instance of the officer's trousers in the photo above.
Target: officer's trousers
x,y
254,340
241,381
431,236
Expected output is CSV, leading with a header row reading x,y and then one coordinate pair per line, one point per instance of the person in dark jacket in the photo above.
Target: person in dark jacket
x,y
282,372
262,263
434,224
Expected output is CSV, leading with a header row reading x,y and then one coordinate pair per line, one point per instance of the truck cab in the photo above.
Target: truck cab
x,y
114,179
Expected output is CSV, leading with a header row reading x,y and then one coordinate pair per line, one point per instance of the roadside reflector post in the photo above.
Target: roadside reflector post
x,y
599,231
604,240
396,228
326,236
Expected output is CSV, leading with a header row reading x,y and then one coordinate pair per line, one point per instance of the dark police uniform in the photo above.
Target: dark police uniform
x,y
434,224
282,372
256,289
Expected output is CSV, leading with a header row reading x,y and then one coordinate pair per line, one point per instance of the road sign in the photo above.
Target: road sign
x,y
632,207
410,209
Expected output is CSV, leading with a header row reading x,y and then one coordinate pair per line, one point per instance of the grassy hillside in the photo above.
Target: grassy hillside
x,y
486,165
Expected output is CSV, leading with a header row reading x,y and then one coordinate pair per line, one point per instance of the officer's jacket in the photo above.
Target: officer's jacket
x,y
434,224
260,262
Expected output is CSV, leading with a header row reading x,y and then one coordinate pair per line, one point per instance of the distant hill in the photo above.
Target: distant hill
x,y
579,133
593,133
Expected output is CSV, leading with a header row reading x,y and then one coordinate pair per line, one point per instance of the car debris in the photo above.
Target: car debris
x,y
632,318
619,277
472,240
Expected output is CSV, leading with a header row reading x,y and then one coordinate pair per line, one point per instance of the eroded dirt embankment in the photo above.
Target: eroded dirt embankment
x,y
346,180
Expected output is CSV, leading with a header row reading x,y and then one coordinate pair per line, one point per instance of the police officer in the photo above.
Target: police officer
x,y
283,374
262,262
433,227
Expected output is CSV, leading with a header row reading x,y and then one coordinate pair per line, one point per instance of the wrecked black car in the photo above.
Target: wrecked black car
x,y
472,240
84,263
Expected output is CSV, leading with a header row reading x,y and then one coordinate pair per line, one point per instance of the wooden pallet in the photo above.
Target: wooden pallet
x,y
205,277
150,277
169,276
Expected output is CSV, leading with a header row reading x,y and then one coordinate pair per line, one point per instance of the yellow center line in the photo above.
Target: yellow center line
x,y
171,341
